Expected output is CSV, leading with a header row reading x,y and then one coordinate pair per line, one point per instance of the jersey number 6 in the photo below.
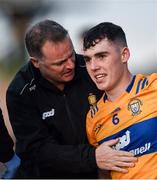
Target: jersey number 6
x,y
115,119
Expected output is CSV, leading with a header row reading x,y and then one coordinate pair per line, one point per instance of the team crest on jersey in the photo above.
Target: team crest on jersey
x,y
135,105
93,104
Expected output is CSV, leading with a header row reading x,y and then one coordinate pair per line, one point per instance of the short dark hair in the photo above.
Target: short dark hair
x,y
104,30
41,32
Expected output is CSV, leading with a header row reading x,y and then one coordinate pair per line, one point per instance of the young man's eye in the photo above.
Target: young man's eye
x,y
86,59
102,56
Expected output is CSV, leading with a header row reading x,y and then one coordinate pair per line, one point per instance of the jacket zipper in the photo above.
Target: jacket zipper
x,y
69,116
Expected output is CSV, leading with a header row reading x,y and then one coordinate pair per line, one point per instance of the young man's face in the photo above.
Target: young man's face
x,y
58,62
106,63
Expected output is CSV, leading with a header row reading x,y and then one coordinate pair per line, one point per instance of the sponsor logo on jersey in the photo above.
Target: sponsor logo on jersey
x,y
48,114
125,140
142,149
135,105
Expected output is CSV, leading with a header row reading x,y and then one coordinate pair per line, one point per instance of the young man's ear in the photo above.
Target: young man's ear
x,y
35,62
125,54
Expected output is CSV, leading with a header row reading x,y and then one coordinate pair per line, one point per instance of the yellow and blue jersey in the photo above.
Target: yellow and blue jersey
x,y
133,119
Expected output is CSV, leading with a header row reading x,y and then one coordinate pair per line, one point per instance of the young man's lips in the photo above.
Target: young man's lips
x,y
99,76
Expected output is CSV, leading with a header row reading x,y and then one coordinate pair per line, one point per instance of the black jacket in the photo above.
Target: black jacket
x,y
49,124
6,142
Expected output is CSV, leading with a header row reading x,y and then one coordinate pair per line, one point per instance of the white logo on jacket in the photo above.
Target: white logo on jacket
x,y
32,88
48,114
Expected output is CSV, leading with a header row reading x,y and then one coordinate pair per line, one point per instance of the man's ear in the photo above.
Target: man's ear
x,y
35,62
125,54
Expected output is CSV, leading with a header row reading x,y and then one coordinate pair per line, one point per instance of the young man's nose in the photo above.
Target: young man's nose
x,y
93,64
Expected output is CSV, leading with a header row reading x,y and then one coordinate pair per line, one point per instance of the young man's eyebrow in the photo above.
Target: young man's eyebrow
x,y
101,53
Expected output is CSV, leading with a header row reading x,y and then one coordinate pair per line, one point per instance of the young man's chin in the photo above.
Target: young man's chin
x,y
100,87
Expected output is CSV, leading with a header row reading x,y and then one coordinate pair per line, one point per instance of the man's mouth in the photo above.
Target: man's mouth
x,y
69,73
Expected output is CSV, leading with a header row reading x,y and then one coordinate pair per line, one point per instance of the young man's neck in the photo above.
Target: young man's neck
x,y
115,93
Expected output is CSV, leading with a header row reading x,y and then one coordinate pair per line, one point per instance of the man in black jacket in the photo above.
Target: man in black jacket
x,y
47,103
7,155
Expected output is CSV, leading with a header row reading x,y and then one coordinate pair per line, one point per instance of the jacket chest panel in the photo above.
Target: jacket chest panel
x,y
64,116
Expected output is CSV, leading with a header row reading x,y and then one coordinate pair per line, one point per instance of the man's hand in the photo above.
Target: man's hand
x,y
111,159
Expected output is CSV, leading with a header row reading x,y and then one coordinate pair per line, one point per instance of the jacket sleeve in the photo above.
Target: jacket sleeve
x,y
6,142
35,143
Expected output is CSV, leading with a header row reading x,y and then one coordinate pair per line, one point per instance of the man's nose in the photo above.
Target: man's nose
x,y
70,63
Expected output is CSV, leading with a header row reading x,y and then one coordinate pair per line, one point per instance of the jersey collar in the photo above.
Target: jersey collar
x,y
128,89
